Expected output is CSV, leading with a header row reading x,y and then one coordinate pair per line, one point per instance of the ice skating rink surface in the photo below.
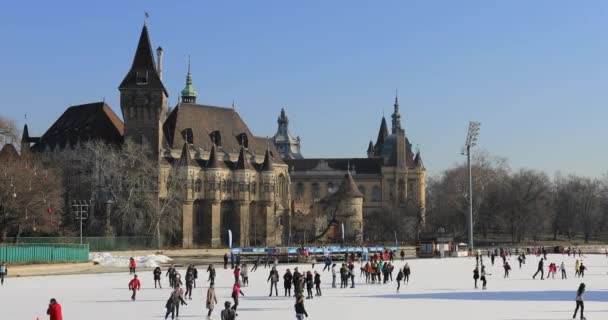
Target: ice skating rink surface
x,y
438,289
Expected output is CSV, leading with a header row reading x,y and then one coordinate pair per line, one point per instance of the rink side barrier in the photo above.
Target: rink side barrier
x,y
44,252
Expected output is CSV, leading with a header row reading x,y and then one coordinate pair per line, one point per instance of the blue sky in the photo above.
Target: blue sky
x,y
535,73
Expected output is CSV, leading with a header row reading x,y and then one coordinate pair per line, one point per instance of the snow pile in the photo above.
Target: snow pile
x,y
106,259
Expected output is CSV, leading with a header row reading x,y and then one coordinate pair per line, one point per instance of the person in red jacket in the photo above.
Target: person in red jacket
x,y
132,265
54,310
134,286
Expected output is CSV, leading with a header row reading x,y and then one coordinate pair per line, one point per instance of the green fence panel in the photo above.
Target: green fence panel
x,y
44,252
100,243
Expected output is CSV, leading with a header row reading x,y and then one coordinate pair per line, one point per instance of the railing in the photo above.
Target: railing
x,y
100,243
44,252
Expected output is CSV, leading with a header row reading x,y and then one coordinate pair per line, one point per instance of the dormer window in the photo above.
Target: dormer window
x,y
216,138
188,135
141,77
243,140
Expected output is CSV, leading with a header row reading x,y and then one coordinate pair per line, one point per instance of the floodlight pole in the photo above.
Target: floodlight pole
x,y
471,141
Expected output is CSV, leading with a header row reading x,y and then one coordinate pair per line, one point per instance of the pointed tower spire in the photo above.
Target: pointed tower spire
x,y
143,72
213,163
25,139
267,164
396,123
185,160
382,134
370,149
243,163
189,92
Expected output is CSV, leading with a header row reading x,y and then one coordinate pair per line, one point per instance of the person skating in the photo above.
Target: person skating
x,y
402,255
579,301
225,261
237,274
507,268
297,282
318,283
173,303
540,269
399,278
577,268
228,313
3,272
343,272
333,275
309,284
520,259
157,273
211,300
171,274
492,257
211,271
351,273
273,278
562,267
236,291
134,285
255,264
476,275
195,274
245,275
299,306
406,273
54,310
581,270
132,265
483,277
232,257
177,280
327,263
287,280
189,283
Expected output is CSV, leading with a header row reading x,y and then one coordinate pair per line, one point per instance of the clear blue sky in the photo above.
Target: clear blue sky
x,y
535,73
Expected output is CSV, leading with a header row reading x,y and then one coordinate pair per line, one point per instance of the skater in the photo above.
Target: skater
x,y
520,259
273,277
343,272
577,269
211,271
211,300
351,273
236,290
579,301
327,263
245,275
507,269
232,260
483,277
54,310
255,264
562,267
173,303
476,275
177,280
581,270
399,278
225,261
157,273
309,284
318,284
132,265
228,313
189,283
406,273
492,256
3,272
237,274
134,286
297,282
287,279
333,275
300,310
402,255
171,272
540,269
195,274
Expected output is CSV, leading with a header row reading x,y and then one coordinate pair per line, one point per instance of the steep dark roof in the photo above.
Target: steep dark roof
x,y
9,153
213,163
143,62
361,165
184,159
382,134
348,189
418,160
267,165
243,162
204,120
370,147
93,121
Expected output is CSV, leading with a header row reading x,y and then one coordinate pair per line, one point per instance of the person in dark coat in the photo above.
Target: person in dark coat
x,y
273,277
189,283
579,301
287,280
157,273
173,303
309,284
300,310
507,268
211,271
228,313
406,273
399,278
318,284
195,274
225,261
297,282
476,275
540,269
171,272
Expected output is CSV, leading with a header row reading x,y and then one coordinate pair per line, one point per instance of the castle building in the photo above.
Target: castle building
x,y
391,179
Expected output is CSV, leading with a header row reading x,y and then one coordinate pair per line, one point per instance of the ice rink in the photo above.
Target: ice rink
x,y
438,289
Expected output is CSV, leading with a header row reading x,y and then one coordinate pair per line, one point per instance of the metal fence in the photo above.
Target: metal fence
x,y
44,252
100,243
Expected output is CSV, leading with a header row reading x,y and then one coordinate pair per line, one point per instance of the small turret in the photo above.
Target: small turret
x,y
267,164
25,141
243,163
189,92
370,149
382,134
185,159
396,123
213,163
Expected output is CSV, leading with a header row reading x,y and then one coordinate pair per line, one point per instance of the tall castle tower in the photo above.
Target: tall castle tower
x,y
143,97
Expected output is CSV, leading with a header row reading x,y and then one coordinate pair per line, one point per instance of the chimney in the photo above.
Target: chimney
x,y
159,65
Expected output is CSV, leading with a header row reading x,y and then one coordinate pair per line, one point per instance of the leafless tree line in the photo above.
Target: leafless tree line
x,y
520,205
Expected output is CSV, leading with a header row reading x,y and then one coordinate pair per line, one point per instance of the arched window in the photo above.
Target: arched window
x,y
315,190
299,190
376,193
198,185
362,190
188,135
216,138
242,187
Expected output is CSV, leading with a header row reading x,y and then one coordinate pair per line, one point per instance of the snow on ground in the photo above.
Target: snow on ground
x,y
108,260
439,289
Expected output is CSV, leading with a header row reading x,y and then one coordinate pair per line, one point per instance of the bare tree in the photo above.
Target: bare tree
x,y
8,131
